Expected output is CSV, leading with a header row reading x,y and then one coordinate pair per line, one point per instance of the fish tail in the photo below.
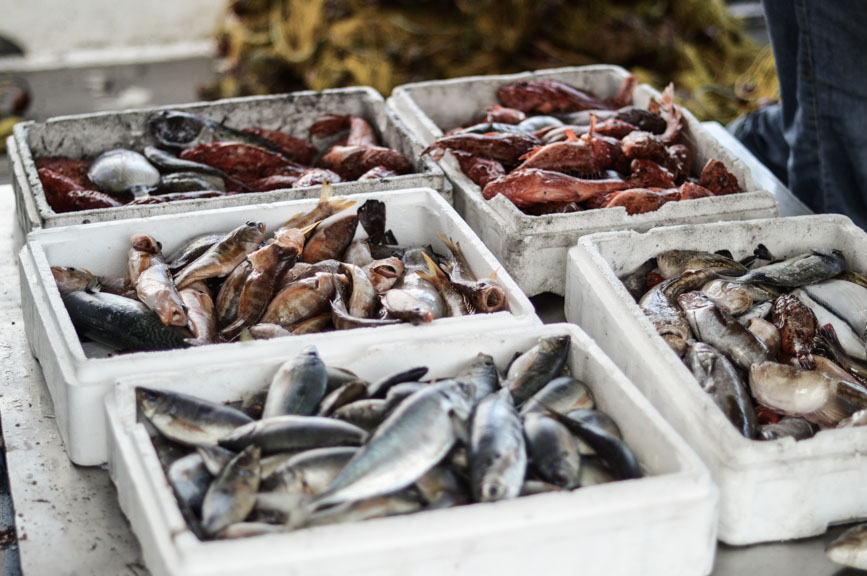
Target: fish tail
x,y
310,228
434,274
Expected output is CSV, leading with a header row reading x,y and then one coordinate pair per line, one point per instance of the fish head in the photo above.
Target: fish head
x,y
290,240
488,295
144,243
493,487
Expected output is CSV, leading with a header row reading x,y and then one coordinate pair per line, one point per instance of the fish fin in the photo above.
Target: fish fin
x,y
434,274
589,134
839,406
570,136
725,253
761,252
530,153
245,335
310,228
494,273
449,243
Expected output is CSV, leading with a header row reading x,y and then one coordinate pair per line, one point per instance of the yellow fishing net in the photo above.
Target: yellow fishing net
x,y
280,45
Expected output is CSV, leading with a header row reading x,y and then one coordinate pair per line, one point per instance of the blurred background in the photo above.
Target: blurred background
x,y
58,57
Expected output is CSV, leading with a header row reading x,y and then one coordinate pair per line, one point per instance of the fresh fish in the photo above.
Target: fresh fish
x,y
337,377
405,305
828,345
349,392
594,472
144,251
815,397
562,395
722,331
328,206
70,279
169,163
612,450
498,455
674,263
797,325
354,511
850,548
455,305
717,377
343,320
636,281
297,387
429,422
232,495
381,387
833,370
851,343
845,299
189,479
120,322
214,458
384,273
414,262
796,428
176,130
302,270
807,268
536,367
440,487
201,318
331,238
552,450
531,487
536,123
661,307
400,392
310,472
367,413
284,433
481,376
488,127
123,171
266,331
157,291
760,311
767,333
357,254
730,297
186,419
222,257
303,299
363,301
179,182
191,250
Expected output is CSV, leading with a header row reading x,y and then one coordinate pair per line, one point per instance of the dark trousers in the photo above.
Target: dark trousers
x,y
815,140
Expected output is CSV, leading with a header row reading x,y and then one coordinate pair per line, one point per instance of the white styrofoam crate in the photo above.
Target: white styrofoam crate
x,y
774,490
662,524
88,135
533,248
77,382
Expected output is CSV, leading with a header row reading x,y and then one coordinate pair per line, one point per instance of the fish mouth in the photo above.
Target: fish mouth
x,y
492,299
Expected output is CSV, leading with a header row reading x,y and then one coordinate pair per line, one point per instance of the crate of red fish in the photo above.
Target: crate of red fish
x,y
540,158
749,337
131,164
178,291
435,464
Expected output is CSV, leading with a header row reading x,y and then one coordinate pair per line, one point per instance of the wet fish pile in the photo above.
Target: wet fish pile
x,y
552,148
194,157
779,344
320,445
311,275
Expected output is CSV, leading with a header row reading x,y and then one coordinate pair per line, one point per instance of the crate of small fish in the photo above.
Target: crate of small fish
x,y
749,338
137,163
540,158
179,291
501,452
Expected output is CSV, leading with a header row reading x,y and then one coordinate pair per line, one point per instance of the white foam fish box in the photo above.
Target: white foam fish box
x,y
533,248
88,135
77,382
660,525
775,490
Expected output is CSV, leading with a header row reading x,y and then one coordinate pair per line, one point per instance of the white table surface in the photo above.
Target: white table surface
x,y
68,520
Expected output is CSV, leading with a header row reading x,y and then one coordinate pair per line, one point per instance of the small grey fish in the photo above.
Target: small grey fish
x,y
232,495
673,263
367,413
611,449
343,320
498,455
292,432
405,305
191,250
189,182
760,311
562,395
349,392
552,451
119,171
310,472
807,268
850,548
214,458
380,388
379,507
298,386
796,428
717,377
722,331
189,479
412,440
536,367
186,419
481,374
121,323
400,392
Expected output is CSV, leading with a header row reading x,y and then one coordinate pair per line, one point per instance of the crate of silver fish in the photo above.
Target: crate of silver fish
x,y
749,338
177,292
540,158
504,452
136,163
